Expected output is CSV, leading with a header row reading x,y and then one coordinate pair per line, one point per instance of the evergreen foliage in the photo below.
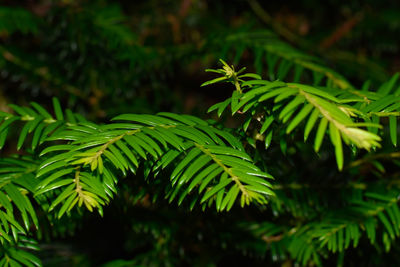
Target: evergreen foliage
x,y
255,182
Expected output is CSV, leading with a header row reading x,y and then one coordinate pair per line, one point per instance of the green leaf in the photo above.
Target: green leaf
x,y
70,116
56,148
176,117
204,173
291,106
299,117
118,156
57,109
250,75
54,176
380,104
393,129
51,128
185,162
132,142
5,114
320,133
260,189
216,80
266,124
337,142
387,87
315,91
223,150
51,166
29,257
156,135
147,147
170,138
68,204
191,134
310,123
230,139
167,158
221,106
113,159
37,135
263,89
288,92
66,193
41,110
7,123
194,167
230,198
21,202
19,110
268,139
3,137
221,185
22,135
387,224
209,177
127,152
211,133
54,186
272,94
236,162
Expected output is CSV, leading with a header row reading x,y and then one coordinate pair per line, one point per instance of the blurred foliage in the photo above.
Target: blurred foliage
x,y
104,58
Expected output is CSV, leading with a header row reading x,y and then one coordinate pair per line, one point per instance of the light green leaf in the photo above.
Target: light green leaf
x,y
320,133
216,80
337,142
299,117
291,106
310,123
